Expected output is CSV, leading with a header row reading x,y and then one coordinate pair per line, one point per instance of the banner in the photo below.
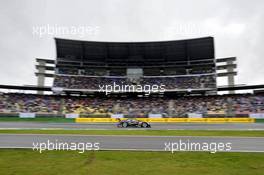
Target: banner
x,y
71,115
27,115
217,120
195,115
257,115
95,120
117,116
154,115
241,120
171,120
178,120
196,120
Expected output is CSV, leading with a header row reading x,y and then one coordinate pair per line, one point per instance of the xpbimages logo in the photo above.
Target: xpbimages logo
x,y
187,145
116,88
81,147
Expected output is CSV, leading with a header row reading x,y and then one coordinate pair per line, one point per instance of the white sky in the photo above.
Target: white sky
x,y
237,26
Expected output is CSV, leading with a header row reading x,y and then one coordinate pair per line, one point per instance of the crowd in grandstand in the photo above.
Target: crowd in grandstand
x,y
14,103
82,82
182,82
239,104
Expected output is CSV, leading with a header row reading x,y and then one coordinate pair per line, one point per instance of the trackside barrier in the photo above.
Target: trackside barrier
x,y
170,120
95,120
242,120
217,120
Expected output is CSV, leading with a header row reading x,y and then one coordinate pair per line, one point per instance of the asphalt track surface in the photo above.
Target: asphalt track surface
x,y
140,143
112,126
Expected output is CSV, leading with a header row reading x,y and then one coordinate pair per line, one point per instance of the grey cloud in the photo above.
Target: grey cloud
x,y
237,26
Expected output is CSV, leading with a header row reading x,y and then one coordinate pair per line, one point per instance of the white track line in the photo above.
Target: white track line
x,y
131,136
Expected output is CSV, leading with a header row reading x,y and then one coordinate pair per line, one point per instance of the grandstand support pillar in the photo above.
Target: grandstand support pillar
x,y
61,109
41,75
230,77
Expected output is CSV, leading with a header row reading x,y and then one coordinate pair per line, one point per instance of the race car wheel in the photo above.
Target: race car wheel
x,y
124,125
144,125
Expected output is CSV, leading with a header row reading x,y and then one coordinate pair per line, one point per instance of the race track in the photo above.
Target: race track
x,y
149,143
112,126
146,143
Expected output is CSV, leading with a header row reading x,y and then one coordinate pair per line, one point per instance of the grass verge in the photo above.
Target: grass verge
x,y
259,120
28,162
142,132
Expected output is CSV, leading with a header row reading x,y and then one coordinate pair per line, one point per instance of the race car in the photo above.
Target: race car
x,y
132,123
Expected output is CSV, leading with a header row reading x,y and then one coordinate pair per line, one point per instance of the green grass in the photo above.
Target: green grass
x,y
28,162
259,120
39,119
142,132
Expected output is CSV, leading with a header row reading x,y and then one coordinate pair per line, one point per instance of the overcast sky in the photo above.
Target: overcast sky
x,y
237,26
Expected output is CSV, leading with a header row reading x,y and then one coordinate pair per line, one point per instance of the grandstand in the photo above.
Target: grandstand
x,y
208,106
178,65
187,69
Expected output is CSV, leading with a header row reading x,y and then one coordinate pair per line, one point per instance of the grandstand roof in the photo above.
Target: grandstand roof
x,y
174,51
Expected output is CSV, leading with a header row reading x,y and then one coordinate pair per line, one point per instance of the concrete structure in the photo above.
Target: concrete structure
x,y
229,67
42,66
